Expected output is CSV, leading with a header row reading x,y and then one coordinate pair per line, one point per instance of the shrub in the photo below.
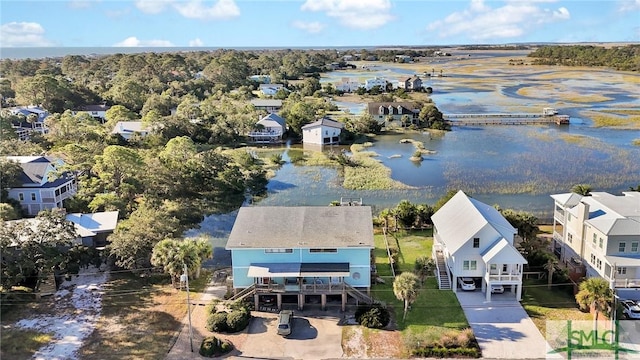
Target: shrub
x,y
373,316
238,320
440,352
214,347
217,322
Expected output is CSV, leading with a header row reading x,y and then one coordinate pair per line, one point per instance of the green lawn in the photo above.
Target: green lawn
x,y
543,304
435,311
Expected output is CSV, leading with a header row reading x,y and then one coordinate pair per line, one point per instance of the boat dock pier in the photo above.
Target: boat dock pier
x,y
548,116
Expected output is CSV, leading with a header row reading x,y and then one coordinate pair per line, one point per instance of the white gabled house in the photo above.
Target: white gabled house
x,y
472,239
322,132
269,129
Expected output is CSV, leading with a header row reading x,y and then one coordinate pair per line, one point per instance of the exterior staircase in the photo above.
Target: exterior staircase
x,y
246,292
444,283
359,295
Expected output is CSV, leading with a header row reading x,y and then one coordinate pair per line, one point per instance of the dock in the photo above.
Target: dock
x,y
548,116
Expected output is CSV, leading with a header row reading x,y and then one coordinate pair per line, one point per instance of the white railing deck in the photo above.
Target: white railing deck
x,y
626,283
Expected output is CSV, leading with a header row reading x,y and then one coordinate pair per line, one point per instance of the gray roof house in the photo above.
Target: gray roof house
x,y
307,251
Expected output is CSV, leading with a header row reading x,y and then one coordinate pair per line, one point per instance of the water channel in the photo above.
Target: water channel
x,y
514,167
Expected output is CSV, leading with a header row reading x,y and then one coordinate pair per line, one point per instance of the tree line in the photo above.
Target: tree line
x,y
625,58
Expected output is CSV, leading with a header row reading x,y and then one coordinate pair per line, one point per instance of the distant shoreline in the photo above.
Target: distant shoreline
x,y
16,53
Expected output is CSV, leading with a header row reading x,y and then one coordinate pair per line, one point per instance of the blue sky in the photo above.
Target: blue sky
x,y
313,23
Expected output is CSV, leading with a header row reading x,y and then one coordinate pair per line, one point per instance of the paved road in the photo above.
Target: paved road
x,y
502,327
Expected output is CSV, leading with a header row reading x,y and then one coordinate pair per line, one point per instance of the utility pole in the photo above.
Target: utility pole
x,y
185,276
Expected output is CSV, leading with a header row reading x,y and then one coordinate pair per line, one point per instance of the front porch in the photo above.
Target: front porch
x,y
503,266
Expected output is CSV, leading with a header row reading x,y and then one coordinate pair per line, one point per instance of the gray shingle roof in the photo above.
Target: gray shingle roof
x,y
325,122
302,227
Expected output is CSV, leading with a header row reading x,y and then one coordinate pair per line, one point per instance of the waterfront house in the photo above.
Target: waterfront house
x,y
42,186
413,83
381,111
347,85
302,254
473,240
322,132
599,235
269,129
376,81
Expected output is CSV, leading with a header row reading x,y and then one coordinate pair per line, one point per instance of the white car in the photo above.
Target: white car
x,y
497,289
467,284
630,309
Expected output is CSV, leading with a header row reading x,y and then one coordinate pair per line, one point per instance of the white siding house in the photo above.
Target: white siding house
x,y
322,132
270,89
472,239
41,187
601,233
127,129
376,81
347,85
98,112
269,129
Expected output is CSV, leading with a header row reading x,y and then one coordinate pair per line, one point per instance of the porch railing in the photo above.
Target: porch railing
x,y
504,277
626,283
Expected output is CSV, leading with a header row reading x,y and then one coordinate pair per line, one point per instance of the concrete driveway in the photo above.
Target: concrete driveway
x,y
315,335
502,327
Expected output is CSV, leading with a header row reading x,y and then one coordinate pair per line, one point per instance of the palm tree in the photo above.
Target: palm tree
x,y
204,250
595,294
550,266
405,287
582,189
172,255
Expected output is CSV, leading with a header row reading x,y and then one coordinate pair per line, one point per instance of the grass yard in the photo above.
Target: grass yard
x,y
140,317
21,344
543,304
435,312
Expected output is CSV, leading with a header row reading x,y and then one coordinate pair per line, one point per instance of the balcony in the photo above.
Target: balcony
x,y
505,277
626,283
319,288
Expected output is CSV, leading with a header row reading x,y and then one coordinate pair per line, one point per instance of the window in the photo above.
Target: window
x,y
599,264
634,247
504,268
593,259
33,196
469,265
570,237
622,271
622,246
476,242
21,196
323,250
568,217
595,238
278,251
600,242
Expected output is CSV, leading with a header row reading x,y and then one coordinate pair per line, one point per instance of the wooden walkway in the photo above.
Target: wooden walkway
x,y
504,119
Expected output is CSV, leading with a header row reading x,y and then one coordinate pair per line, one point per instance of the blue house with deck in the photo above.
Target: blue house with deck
x,y
306,253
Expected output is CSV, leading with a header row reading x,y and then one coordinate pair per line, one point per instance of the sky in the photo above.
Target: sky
x,y
313,23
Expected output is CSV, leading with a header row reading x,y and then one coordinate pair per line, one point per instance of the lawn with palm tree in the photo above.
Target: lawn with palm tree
x,y
434,313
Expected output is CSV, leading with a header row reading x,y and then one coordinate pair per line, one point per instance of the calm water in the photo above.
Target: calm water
x,y
513,166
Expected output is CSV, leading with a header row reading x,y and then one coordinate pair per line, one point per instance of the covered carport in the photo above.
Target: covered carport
x,y
503,266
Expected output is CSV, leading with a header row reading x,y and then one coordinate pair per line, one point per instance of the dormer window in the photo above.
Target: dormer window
x,y
390,109
399,109
381,110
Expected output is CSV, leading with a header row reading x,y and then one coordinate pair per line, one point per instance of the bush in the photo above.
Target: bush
x,y
214,347
238,320
372,316
440,352
217,322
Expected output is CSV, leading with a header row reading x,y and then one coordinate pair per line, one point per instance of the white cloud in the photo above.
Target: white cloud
x,y
133,41
629,5
152,6
358,14
193,9
196,42
310,27
482,22
15,34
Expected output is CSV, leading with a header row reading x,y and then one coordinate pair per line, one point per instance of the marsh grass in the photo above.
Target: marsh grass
x,y
636,142
631,120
